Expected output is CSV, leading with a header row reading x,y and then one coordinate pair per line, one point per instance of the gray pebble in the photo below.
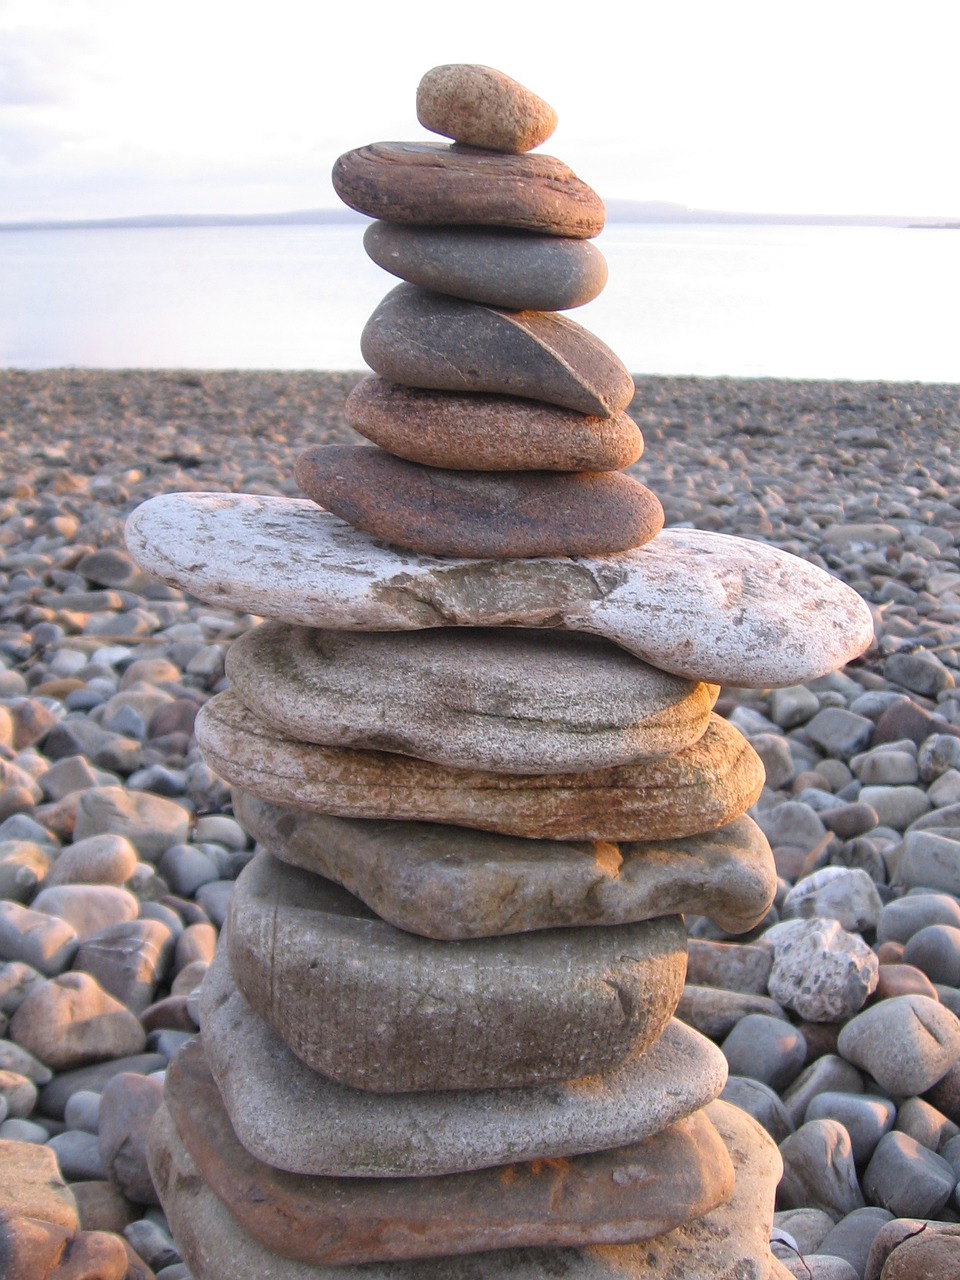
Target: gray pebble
x,y
907,1179
865,1117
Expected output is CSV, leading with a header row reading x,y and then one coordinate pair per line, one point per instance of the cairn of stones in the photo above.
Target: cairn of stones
x,y
475,743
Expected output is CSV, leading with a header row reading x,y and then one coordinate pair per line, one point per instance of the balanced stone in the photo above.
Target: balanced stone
x,y
699,789
479,513
377,1008
702,605
450,882
433,185
293,1118
731,1240
472,432
482,107
512,269
506,700
427,340
628,1193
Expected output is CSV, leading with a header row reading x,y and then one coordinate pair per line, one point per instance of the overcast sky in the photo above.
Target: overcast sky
x,y
113,107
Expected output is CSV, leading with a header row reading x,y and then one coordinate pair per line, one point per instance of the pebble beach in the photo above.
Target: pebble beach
x,y
119,848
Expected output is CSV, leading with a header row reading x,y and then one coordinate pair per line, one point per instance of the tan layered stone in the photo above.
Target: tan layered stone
x,y
451,882
511,701
293,1118
699,789
469,431
377,1008
434,185
629,1193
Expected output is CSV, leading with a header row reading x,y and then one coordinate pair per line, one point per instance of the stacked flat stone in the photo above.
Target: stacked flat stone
x,y
475,742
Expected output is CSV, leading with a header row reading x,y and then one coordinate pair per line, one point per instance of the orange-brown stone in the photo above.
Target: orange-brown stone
x,y
481,514
475,432
629,1193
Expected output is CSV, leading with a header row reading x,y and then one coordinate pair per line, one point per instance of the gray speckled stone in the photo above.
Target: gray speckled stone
x,y
377,1008
295,1119
498,267
451,882
702,605
423,339
506,700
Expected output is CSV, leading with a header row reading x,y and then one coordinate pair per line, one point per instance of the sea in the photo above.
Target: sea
x,y
837,302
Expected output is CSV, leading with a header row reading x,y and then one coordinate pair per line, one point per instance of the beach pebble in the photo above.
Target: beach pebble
x,y
819,969
935,950
906,1178
827,1073
907,1044
853,1236
903,917
765,1049
42,941
819,1170
71,1021
761,1102
83,1111
848,896
104,859
88,908
129,960
865,1117
151,823
931,861
127,1105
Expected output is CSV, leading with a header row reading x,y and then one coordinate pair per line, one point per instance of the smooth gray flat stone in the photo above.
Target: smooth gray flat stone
x,y
377,1008
498,267
703,605
729,1242
486,698
451,882
699,789
296,1119
426,339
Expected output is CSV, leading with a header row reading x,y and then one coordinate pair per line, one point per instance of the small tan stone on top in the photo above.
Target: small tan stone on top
x,y
482,107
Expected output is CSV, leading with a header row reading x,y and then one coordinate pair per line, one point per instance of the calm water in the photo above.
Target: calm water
x,y
801,302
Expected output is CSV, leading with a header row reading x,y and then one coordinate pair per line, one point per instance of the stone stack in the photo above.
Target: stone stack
x,y
477,748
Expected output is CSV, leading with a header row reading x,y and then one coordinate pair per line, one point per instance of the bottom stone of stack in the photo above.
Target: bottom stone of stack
x,y
730,1241
610,1197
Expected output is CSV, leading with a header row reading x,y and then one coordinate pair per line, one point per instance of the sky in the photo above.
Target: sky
x,y
126,107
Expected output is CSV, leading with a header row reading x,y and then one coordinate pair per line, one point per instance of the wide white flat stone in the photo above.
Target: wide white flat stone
x,y
701,605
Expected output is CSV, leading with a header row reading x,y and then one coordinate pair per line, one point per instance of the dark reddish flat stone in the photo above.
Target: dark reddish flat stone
x,y
629,1193
423,339
469,432
502,268
479,514
431,184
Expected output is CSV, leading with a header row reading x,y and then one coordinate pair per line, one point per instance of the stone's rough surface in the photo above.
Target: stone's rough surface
x,y
625,1194
449,882
699,789
32,1187
511,269
471,432
434,185
293,1118
728,1242
702,605
483,514
907,1044
428,340
511,701
819,970
377,1008
71,1020
482,107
